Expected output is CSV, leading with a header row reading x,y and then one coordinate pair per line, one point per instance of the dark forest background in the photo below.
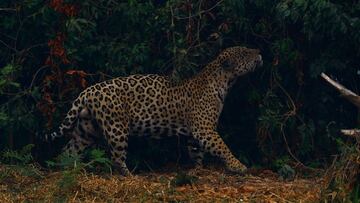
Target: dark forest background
x,y
51,50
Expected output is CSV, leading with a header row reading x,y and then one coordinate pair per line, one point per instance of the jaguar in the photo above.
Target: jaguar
x,y
151,105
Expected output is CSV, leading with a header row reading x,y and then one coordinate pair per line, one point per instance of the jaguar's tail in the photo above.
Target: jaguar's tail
x,y
69,121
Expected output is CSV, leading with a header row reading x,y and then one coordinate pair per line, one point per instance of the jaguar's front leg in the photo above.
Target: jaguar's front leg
x,y
195,151
211,142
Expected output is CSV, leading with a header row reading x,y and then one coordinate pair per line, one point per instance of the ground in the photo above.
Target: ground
x,y
191,185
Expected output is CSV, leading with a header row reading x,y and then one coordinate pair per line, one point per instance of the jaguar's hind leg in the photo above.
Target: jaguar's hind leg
x,y
76,146
116,131
78,143
82,135
118,142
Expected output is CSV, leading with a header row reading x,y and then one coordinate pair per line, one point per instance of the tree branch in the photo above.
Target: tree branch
x,y
348,94
351,132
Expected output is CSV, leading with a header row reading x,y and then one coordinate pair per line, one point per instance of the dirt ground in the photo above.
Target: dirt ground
x,y
194,185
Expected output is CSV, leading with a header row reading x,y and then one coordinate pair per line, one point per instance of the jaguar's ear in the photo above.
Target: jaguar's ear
x,y
227,64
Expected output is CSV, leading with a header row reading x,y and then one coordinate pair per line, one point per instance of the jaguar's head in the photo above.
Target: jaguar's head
x,y
239,60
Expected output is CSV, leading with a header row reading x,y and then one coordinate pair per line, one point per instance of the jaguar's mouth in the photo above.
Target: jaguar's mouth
x,y
259,61
231,82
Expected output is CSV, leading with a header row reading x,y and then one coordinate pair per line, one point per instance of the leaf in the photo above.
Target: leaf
x,y
77,72
66,161
4,118
8,69
20,157
68,180
15,84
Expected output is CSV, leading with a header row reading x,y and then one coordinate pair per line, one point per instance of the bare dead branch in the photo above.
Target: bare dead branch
x,y
348,94
7,9
354,133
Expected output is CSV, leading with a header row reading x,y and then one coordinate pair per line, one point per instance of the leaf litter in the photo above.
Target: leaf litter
x,y
203,185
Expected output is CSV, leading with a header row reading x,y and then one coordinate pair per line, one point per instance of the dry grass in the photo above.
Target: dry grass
x,y
343,175
212,185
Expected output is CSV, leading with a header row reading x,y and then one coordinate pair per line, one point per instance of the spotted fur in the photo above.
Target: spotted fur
x,y
150,105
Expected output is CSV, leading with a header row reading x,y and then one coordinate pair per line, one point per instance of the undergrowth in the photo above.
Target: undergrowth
x,y
19,161
342,180
72,166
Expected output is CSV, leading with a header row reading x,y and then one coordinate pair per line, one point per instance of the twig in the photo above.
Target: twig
x,y
8,46
288,148
8,36
199,13
148,165
289,114
36,73
7,9
281,198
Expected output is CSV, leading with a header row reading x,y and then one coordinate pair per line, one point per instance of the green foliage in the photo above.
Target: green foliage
x,y
20,157
306,131
286,172
281,162
69,179
19,161
343,175
182,179
7,78
72,165
355,194
65,161
98,160
95,158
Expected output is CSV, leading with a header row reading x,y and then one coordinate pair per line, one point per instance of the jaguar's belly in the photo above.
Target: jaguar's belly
x,y
157,130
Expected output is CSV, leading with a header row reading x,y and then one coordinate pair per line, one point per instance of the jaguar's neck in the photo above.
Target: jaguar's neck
x,y
211,77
